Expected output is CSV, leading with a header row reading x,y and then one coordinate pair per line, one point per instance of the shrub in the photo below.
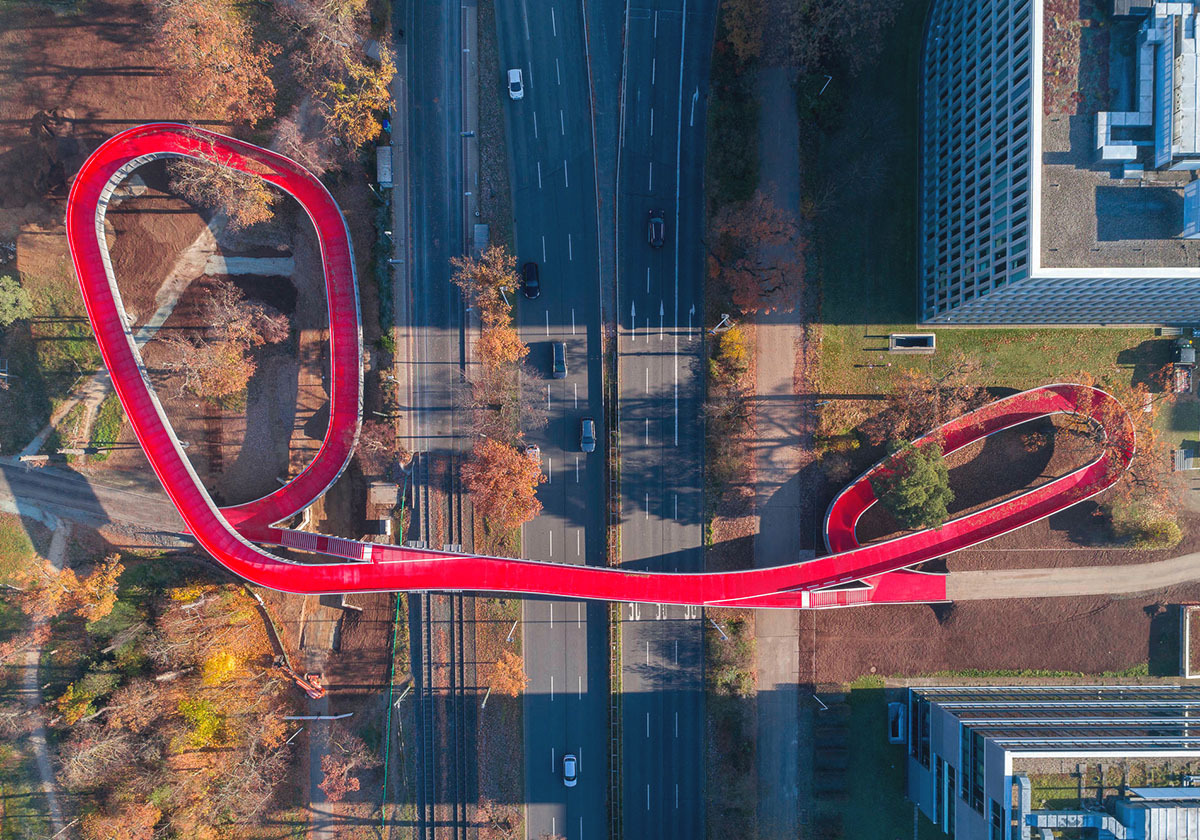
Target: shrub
x,y
203,720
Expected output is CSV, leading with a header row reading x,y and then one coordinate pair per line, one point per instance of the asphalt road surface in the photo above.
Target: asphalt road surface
x,y
553,177
667,48
66,495
435,164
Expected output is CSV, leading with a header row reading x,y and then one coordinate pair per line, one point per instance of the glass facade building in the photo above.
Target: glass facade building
x,y
980,167
963,742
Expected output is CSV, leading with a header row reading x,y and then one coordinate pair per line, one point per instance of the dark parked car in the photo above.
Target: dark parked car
x,y
558,360
531,286
656,229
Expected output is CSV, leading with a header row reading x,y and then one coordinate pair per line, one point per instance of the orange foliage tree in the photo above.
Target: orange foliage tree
x,y
132,821
509,675
46,593
352,102
220,68
922,400
757,253
486,280
503,484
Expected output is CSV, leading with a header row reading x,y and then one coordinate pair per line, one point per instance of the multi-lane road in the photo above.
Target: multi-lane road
x,y
554,196
659,309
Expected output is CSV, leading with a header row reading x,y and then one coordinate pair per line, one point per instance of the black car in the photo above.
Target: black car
x,y
531,287
656,229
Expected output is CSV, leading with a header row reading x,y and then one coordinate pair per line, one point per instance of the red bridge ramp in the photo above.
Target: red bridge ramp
x,y
239,536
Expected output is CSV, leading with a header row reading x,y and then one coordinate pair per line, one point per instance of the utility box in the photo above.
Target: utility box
x,y
912,342
383,166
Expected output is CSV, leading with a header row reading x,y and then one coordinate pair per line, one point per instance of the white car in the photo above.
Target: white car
x,y
570,770
516,89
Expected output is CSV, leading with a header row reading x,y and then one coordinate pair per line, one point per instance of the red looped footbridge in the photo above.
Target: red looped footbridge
x,y
240,537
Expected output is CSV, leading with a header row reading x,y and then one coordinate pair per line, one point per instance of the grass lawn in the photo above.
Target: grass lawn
x,y
876,802
17,546
51,353
865,253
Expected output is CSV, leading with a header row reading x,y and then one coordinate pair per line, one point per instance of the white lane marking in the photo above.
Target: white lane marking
x,y
553,25
647,279
647,662
539,166
557,71
576,469
547,333
550,480
562,123
653,74
678,163
525,19
647,431
552,627
573,333
581,828
553,763
570,241
647,724
579,622
647,515
580,687
567,180
551,543
677,724
576,387
578,542
651,187
633,319
651,122
535,133
543,249
662,320
551,688
656,24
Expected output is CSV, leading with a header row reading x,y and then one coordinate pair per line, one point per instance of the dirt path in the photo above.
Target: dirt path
x,y
32,691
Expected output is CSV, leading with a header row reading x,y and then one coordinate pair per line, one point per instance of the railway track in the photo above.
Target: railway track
x,y
446,785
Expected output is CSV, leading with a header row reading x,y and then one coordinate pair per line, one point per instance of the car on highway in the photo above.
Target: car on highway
x,y
558,360
516,87
656,229
531,286
587,435
570,770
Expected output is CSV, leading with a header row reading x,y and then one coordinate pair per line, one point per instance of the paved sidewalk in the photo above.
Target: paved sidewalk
x,y
778,452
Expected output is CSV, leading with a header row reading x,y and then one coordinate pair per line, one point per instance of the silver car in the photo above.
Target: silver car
x,y
516,89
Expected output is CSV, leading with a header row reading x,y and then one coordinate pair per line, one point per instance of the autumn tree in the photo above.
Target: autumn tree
x,y
220,68
378,448
757,253
130,821
93,754
922,400
850,32
914,486
508,676
303,138
14,301
503,484
347,754
215,363
353,102
330,32
485,280
206,181
46,592
500,345
743,22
